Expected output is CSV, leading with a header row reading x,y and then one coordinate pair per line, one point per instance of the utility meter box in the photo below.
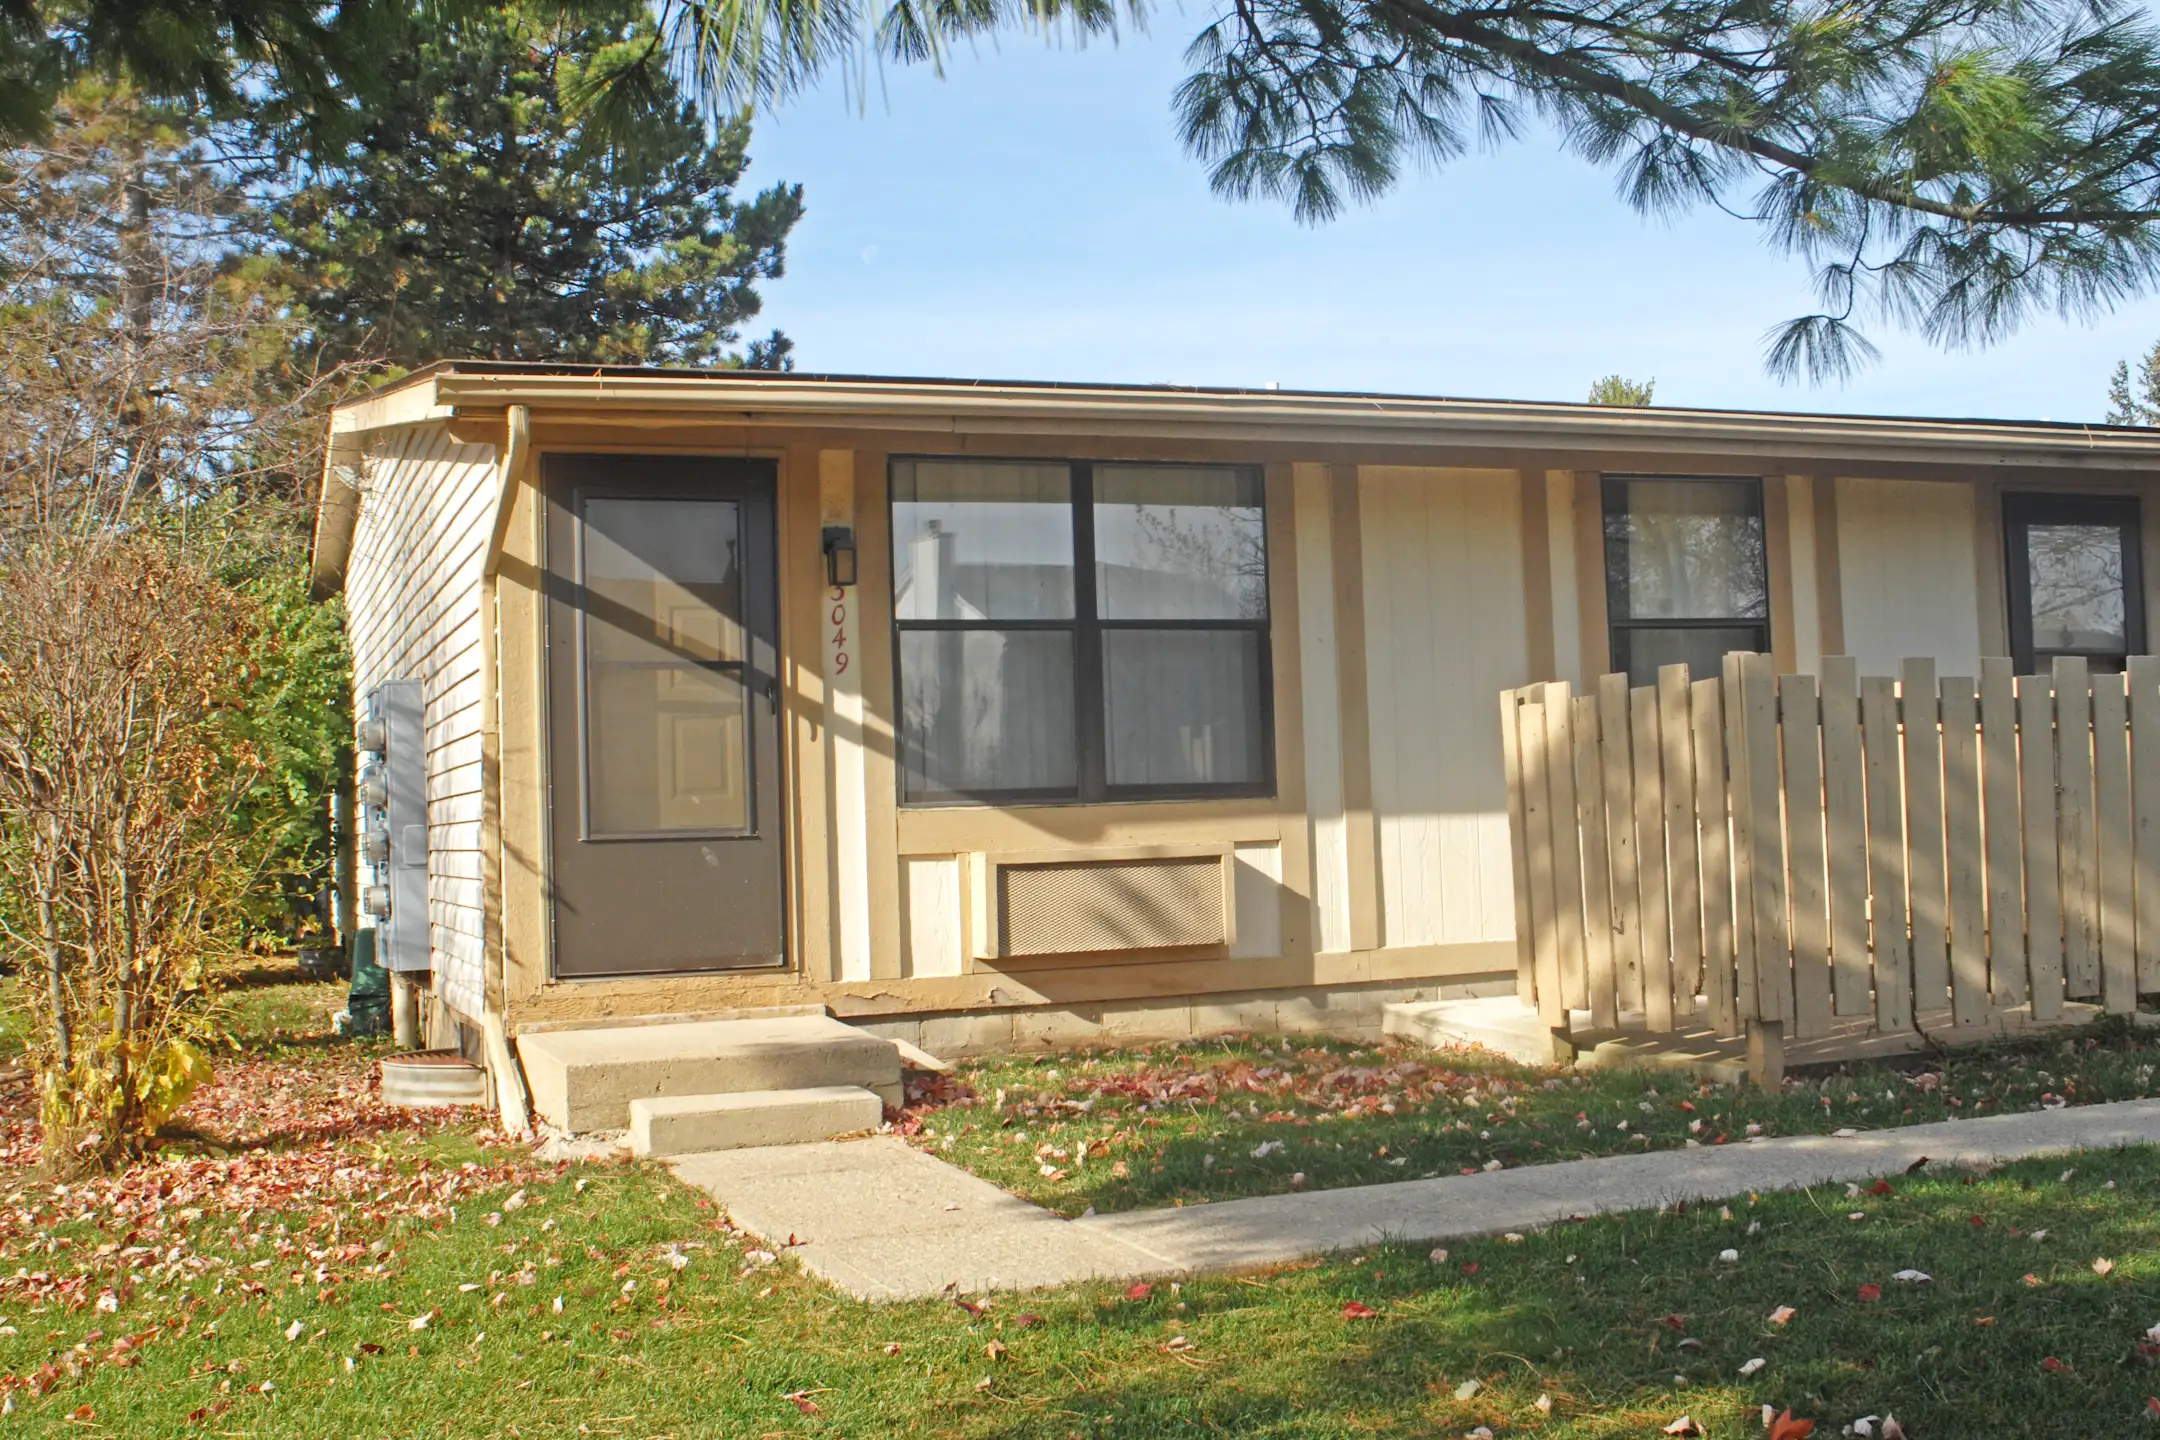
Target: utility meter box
x,y
392,791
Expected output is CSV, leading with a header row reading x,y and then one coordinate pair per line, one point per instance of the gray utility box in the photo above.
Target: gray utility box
x,y
393,823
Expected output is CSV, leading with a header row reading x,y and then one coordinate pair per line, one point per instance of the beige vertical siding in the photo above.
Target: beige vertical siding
x,y
1906,566
413,598
930,938
1444,635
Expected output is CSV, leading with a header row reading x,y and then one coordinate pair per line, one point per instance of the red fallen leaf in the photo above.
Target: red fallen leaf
x,y
1358,1310
2054,1366
369,1347
1880,1187
972,1310
803,1402
1920,1164
1026,1319
1470,1269
1140,1291
1786,1427
1688,1105
1871,1291
2152,1406
1979,1220
84,1412
199,1414
1676,1321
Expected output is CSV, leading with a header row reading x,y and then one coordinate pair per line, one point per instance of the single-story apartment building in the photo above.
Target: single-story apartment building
x,y
988,714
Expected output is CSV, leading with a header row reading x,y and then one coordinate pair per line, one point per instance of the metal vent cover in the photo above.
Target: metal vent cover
x,y
1074,907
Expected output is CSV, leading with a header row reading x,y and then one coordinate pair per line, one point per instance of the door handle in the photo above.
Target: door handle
x,y
772,693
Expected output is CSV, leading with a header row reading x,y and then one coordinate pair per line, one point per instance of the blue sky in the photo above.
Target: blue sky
x,y
1031,216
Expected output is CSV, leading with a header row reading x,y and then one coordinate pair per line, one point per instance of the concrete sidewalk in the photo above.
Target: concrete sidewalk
x,y
883,1221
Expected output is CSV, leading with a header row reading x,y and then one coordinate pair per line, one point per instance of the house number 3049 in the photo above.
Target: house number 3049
x,y
842,656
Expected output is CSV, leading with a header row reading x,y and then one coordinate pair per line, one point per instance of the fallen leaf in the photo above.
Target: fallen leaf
x,y
1140,1291
84,1412
1891,1430
1357,1310
1026,1319
1913,1277
1544,1404
1871,1291
1729,1257
1787,1427
2102,1266
2032,1279
808,1406
995,1349
1750,1367
1880,1187
2054,1366
1468,1388
1782,1314
1685,1425
974,1311
1439,1257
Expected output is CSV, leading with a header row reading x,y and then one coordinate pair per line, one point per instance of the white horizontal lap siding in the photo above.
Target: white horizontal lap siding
x,y
1908,569
1445,632
412,594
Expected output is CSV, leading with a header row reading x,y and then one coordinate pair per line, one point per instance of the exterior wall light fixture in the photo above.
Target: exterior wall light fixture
x,y
839,555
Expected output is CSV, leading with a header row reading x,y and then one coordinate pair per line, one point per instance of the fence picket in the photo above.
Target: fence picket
x,y
2043,894
1657,963
1920,711
2074,834
1518,846
1597,870
2005,853
1966,880
1537,815
1886,854
1620,840
1801,732
1682,849
1845,817
1567,855
1773,953
2145,813
2111,817
1740,793
1715,832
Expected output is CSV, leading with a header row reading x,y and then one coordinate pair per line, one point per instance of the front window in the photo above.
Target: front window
x,y
2075,587
1080,631
1685,573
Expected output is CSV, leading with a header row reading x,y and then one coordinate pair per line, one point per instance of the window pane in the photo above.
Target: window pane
x,y
975,541
1640,651
1177,543
667,748
663,580
1182,707
1687,550
2077,587
984,711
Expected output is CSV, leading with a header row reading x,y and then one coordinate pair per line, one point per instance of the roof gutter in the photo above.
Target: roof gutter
x,y
1287,417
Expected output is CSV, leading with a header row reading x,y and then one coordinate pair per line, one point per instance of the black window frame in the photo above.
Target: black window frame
x,y
1613,496
1086,626
2022,509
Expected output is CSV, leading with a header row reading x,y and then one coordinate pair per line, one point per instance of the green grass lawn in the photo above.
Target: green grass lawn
x,y
305,1262
610,1301
1210,1120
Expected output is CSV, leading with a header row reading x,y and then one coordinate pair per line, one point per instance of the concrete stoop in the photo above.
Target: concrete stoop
x,y
1499,1023
713,1084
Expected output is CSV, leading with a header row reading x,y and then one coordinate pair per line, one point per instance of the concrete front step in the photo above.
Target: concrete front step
x,y
586,1079
692,1124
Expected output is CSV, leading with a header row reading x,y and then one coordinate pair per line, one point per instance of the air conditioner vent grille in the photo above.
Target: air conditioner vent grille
x,y
1080,906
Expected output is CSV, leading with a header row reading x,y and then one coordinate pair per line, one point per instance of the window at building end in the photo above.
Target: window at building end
x,y
2076,586
1686,577
1080,631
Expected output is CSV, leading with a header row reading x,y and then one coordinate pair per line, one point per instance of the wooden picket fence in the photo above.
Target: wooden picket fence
x,y
1844,863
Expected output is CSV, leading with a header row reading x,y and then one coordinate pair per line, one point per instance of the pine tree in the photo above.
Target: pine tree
x,y
474,217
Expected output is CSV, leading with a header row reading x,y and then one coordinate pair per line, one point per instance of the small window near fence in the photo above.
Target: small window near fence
x,y
2075,583
1080,631
1686,578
